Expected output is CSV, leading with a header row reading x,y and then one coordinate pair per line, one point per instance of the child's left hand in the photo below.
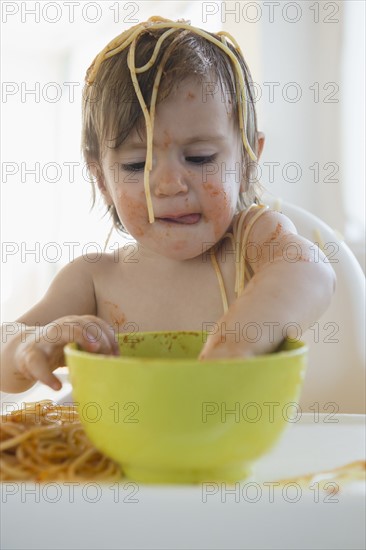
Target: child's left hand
x,y
217,347
231,338
289,291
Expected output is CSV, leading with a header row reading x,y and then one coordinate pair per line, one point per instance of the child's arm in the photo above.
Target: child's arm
x,y
32,348
290,289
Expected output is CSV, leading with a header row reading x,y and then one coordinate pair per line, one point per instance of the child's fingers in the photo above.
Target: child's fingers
x,y
95,335
42,353
33,364
215,348
108,342
224,350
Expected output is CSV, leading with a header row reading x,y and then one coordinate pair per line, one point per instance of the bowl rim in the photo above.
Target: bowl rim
x,y
71,350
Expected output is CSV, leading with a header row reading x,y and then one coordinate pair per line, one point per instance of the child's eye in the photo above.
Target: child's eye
x,y
133,167
202,160
140,166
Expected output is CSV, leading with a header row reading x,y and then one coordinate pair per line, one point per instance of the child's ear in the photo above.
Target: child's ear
x,y
97,173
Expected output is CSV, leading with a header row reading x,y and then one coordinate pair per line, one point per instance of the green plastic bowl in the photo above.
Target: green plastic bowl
x,y
167,417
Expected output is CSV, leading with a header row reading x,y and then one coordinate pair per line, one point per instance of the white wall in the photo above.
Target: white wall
x,y
292,52
352,122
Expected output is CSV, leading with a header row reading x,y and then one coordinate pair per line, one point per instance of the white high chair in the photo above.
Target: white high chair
x,y
335,379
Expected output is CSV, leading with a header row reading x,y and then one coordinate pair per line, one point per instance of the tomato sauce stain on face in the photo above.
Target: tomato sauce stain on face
x,y
210,188
167,140
139,232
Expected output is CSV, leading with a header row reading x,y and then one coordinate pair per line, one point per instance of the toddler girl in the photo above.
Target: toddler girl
x,y
170,137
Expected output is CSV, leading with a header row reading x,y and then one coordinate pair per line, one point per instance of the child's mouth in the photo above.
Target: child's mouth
x,y
187,219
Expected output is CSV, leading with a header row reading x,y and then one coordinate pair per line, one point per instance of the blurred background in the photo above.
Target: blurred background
x,y
307,62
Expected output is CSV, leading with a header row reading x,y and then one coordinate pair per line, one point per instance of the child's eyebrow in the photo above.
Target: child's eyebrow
x,y
189,141
210,137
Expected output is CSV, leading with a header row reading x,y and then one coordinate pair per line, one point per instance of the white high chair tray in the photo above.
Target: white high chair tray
x,y
253,514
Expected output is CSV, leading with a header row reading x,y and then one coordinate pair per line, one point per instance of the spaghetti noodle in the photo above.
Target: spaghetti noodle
x,y
43,441
130,38
239,239
348,473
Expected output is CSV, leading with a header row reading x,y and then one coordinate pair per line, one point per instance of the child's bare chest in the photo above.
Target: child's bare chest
x,y
133,297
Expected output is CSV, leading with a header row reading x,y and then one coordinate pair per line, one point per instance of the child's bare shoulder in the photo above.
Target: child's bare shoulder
x,y
270,225
82,269
116,260
73,290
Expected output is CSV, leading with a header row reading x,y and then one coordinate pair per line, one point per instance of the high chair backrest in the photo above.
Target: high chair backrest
x,y
335,380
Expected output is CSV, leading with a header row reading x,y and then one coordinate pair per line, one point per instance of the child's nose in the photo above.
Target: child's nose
x,y
170,180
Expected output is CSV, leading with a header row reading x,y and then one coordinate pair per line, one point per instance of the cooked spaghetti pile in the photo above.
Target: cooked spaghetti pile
x,y
43,441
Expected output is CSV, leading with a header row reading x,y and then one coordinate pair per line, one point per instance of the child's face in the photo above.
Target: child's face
x,y
195,179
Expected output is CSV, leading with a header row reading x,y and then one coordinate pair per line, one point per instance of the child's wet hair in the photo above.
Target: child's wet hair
x,y
111,109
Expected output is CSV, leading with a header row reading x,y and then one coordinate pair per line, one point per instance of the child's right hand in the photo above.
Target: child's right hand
x,y
41,350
